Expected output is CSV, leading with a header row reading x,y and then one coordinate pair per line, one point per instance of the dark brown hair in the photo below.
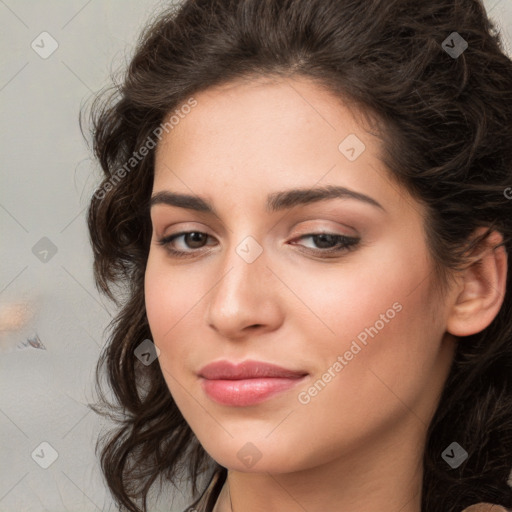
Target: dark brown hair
x,y
446,126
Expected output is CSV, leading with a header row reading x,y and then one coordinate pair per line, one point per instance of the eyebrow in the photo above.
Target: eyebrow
x,y
276,201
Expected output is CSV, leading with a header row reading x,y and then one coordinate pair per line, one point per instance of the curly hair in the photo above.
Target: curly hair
x,y
446,124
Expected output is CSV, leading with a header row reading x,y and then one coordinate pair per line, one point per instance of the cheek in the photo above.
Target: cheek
x,y
387,379
157,299
367,290
167,305
174,306
170,297
376,316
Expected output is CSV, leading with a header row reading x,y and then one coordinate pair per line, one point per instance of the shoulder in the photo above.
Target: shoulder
x,y
485,507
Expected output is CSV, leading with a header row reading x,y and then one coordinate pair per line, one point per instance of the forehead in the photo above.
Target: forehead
x,y
266,113
265,135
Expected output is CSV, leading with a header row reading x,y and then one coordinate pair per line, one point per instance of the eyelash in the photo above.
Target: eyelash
x,y
347,244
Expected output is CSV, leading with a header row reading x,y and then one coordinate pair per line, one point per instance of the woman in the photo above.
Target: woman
x,y
307,204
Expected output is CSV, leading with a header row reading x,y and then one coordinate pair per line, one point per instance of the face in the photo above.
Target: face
x,y
338,289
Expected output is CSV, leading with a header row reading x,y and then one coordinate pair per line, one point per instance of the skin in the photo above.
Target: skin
x,y
358,443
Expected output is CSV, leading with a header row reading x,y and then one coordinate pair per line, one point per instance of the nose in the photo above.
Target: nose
x,y
246,298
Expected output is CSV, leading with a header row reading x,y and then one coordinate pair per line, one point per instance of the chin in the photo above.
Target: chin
x,y
257,457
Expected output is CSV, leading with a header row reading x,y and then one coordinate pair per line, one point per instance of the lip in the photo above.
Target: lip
x,y
247,383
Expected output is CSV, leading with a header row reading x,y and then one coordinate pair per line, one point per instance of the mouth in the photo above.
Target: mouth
x,y
248,383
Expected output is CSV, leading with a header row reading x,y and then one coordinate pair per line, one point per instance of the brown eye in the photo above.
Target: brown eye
x,y
186,243
325,241
328,244
195,239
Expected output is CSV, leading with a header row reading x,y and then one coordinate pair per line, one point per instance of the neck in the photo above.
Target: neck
x,y
384,478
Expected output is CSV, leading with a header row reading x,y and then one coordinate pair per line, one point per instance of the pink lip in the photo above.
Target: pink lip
x,y
248,383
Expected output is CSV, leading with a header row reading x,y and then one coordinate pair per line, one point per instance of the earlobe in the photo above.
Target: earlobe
x,y
482,287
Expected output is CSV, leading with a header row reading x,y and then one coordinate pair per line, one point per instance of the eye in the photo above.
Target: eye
x,y
191,239
329,244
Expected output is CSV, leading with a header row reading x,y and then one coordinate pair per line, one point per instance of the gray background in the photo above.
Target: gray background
x,y
47,179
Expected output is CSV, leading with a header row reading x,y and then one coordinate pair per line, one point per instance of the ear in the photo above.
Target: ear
x,y
480,288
